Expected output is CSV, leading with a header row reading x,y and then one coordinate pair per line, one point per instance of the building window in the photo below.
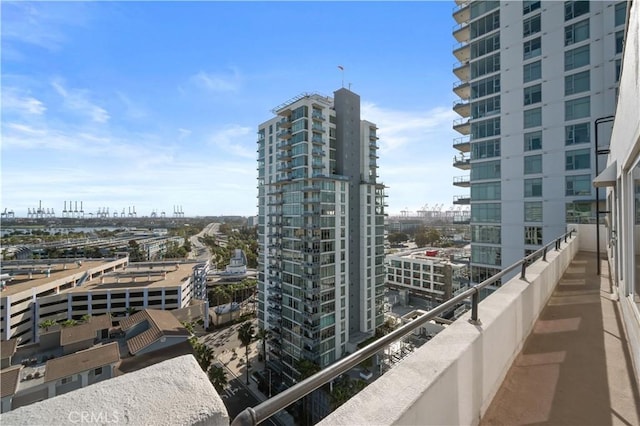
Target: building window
x,y
532,48
485,87
532,164
578,185
97,371
529,6
533,117
533,141
576,83
578,159
485,234
485,191
485,128
486,65
485,108
533,94
486,212
533,235
531,26
577,108
486,255
485,149
484,46
634,212
532,71
576,58
577,133
619,41
576,33
578,212
485,170
485,25
573,9
533,187
618,69
481,7
533,211
621,13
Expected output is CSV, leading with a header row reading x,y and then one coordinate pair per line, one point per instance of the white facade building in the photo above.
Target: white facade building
x,y
621,178
425,273
534,76
320,231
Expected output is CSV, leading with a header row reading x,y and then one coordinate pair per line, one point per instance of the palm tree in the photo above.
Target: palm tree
x,y
46,324
263,334
68,323
245,334
218,377
306,368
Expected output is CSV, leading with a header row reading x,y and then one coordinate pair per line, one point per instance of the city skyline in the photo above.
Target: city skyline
x,y
154,105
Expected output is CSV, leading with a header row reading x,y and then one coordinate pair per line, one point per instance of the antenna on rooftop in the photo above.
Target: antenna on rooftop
x,y
341,68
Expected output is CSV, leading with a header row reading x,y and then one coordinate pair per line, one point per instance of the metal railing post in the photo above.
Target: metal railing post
x,y
266,409
475,300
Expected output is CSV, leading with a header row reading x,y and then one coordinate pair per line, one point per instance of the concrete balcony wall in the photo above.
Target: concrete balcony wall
x,y
173,392
452,379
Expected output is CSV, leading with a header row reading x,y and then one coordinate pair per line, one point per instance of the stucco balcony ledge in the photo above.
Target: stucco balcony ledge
x,y
453,379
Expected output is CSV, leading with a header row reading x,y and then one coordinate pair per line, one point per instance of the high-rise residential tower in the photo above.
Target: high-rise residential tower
x,y
534,76
320,231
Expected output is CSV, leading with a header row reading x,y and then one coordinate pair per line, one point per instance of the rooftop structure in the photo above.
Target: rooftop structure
x,y
150,329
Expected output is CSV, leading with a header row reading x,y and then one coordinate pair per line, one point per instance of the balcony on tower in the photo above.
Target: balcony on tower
x,y
462,32
462,89
462,200
462,181
462,162
462,51
462,144
462,107
462,70
462,125
462,11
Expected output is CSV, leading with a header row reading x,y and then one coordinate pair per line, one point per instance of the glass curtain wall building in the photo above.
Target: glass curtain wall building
x,y
533,78
320,231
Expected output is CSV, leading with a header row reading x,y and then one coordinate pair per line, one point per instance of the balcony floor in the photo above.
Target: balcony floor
x,y
574,368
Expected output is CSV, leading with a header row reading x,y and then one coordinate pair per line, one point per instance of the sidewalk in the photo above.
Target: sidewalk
x,y
236,367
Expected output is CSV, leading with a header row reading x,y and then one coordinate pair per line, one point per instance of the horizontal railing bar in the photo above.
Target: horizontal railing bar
x,y
252,416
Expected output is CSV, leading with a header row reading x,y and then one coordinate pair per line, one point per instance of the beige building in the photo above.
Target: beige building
x,y
23,385
66,289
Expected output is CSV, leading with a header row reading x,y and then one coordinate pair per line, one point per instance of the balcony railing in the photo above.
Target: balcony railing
x,y
261,412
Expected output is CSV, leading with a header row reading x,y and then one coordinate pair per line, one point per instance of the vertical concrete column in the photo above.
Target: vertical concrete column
x,y
163,296
84,379
145,298
51,389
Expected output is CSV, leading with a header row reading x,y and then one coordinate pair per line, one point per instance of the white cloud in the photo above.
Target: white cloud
x,y
398,128
218,82
77,100
132,109
15,102
183,133
235,140
415,147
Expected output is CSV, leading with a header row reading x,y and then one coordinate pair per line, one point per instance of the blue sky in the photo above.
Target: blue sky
x,y
156,104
